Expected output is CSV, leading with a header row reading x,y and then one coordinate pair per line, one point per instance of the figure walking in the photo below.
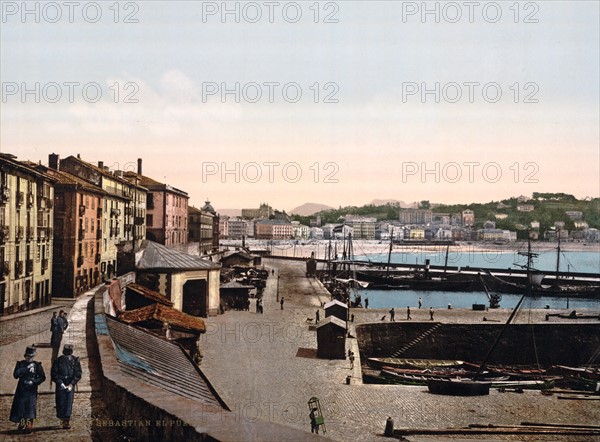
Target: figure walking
x,y
420,302
66,372
431,313
56,327
30,374
281,303
351,359
317,317
366,302
408,313
392,315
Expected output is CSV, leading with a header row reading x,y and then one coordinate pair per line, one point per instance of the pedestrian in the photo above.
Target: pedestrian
x,y
408,313
392,315
314,428
57,330
420,302
351,360
66,372
260,306
257,305
366,302
317,317
30,374
281,303
431,313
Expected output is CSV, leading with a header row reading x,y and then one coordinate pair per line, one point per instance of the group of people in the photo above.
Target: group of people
x,y
392,313
65,373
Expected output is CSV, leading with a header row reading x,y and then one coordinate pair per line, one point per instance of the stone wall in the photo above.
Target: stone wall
x,y
567,344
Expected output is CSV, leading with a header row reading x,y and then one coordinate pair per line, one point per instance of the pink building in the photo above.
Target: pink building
x,y
166,210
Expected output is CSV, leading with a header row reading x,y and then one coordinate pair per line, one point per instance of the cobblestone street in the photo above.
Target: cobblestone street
x,y
251,360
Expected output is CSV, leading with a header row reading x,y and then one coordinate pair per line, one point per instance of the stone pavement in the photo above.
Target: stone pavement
x,y
263,366
20,331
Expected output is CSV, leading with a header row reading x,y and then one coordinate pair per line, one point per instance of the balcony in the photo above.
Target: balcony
x,y
115,212
30,233
98,234
5,269
81,210
4,195
30,199
44,263
49,203
29,266
139,220
4,233
81,234
128,211
79,261
97,258
20,198
18,268
117,231
41,234
18,233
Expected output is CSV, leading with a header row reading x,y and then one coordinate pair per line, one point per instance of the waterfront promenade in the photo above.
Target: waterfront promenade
x,y
264,367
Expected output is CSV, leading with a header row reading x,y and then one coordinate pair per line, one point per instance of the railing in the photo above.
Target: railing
x,y
4,195
29,266
20,198
18,233
44,263
30,199
128,211
18,268
4,233
115,212
30,233
41,234
5,269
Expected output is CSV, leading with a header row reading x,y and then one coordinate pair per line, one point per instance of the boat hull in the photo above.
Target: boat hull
x,y
458,387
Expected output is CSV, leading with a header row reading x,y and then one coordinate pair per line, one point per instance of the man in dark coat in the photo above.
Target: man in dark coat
x,y
30,374
66,372
56,327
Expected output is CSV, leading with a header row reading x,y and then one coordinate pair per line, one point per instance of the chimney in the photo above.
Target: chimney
x,y
53,161
78,156
100,164
139,166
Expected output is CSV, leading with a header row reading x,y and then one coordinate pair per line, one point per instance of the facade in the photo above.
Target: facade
x,y
300,230
264,211
207,208
236,228
525,208
362,227
122,204
468,218
26,236
78,234
415,216
166,210
201,229
274,229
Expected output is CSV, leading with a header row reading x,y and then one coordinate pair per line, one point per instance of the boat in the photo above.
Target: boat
x,y
458,387
418,363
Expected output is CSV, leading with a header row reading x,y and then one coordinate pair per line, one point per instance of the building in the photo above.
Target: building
x,y
415,216
166,210
236,228
274,229
78,234
300,230
575,215
26,235
525,208
123,204
201,227
189,282
264,211
362,227
468,218
207,208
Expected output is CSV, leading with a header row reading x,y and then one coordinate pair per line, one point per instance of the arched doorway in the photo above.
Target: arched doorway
x,y
195,298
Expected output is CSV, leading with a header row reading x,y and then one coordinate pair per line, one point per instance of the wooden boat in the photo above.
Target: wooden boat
x,y
416,363
458,387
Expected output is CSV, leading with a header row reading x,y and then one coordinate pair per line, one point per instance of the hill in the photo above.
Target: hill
x,y
308,209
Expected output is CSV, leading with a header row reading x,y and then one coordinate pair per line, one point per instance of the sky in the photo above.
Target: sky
x,y
336,103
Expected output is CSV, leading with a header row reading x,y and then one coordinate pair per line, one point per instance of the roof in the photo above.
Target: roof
x,y
332,321
102,172
333,303
152,184
163,313
154,256
235,285
27,167
158,362
240,253
149,294
67,179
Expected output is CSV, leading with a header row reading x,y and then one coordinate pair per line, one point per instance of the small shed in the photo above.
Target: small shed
x,y
331,338
240,258
235,296
337,309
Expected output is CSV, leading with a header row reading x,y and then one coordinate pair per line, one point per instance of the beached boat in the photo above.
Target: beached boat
x,y
416,363
458,387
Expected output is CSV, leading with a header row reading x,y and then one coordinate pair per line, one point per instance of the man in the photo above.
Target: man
x,y
314,428
431,313
281,303
57,333
392,315
317,317
408,313
66,372
420,302
30,374
366,302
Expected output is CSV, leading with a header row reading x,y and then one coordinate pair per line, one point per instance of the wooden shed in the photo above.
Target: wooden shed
x,y
331,338
337,309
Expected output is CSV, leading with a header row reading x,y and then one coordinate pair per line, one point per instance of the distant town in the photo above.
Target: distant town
x,y
64,224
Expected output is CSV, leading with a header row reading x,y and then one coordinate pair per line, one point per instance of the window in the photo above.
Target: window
x,y
149,220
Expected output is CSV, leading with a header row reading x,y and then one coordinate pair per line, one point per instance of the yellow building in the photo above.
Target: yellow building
x,y
26,237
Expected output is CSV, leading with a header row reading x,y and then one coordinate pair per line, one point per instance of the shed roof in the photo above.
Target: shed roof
x,y
147,293
160,363
163,313
332,321
235,285
154,256
334,303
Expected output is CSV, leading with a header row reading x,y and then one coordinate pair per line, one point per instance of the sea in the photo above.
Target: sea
x,y
586,262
